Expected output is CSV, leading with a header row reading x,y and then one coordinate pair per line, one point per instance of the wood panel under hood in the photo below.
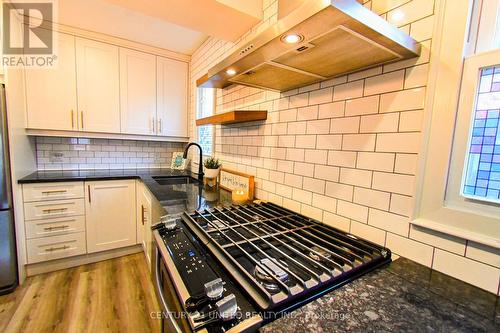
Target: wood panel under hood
x,y
338,37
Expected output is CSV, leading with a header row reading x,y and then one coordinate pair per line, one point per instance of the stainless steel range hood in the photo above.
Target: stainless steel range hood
x,y
336,37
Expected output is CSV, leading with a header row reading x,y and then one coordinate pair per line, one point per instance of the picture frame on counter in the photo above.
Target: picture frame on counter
x,y
178,161
231,180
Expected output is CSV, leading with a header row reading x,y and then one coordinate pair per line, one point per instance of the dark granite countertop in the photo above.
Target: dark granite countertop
x,y
175,198
401,297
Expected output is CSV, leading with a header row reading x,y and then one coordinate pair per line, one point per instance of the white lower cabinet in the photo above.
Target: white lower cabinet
x,y
55,247
110,211
73,218
144,217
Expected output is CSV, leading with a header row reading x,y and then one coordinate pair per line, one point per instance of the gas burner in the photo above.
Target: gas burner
x,y
265,278
213,225
319,254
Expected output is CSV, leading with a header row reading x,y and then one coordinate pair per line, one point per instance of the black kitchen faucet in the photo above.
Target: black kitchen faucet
x,y
200,168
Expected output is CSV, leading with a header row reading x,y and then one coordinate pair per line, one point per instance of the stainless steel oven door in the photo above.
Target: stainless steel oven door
x,y
174,319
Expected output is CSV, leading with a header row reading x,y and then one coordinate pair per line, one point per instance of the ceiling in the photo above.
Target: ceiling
x,y
177,25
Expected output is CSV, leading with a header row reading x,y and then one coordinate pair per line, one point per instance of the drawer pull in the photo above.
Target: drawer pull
x,y
54,210
51,249
54,191
56,228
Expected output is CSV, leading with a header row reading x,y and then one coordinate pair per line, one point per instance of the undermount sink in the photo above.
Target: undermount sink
x,y
175,180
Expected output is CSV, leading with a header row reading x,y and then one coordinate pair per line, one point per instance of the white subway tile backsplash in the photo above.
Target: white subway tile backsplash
x,y
410,249
380,123
471,271
345,125
336,221
364,230
375,161
359,142
331,110
339,191
384,83
412,99
384,220
362,106
395,183
371,198
348,90
342,158
352,211
355,177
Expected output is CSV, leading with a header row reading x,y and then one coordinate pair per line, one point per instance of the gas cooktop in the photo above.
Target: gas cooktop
x,y
235,268
279,256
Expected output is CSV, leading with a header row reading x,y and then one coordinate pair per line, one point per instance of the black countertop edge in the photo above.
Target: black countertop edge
x,y
100,174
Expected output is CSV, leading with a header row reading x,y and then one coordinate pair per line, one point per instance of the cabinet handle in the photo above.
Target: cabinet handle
x,y
81,117
50,210
72,120
53,191
142,214
153,123
88,189
160,126
50,249
55,228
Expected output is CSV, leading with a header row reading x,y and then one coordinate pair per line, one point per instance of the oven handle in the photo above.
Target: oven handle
x,y
166,312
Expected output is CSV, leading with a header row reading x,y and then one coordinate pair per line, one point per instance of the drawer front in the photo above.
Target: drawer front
x,y
51,209
52,191
56,247
55,226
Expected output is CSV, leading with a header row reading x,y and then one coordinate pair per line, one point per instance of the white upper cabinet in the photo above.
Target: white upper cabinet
x,y
137,92
172,83
51,93
97,68
103,88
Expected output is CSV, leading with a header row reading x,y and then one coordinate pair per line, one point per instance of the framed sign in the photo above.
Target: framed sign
x,y
178,162
234,180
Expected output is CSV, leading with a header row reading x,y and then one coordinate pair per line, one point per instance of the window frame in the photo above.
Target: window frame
x,y
431,211
214,92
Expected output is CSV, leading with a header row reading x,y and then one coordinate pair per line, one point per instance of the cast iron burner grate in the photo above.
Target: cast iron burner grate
x,y
279,256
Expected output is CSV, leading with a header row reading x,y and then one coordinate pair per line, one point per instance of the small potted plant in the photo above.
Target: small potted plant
x,y
212,167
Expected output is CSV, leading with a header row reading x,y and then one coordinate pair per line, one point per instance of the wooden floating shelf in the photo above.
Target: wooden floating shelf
x,y
233,117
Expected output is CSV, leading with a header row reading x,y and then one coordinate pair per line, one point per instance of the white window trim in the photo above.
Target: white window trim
x,y
213,127
431,210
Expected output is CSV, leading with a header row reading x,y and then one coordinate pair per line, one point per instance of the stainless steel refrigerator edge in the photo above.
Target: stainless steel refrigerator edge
x,y
8,259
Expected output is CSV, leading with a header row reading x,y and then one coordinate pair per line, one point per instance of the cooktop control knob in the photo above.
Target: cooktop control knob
x,y
214,289
227,307
169,223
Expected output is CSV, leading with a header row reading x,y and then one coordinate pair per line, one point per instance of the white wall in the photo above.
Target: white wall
x,y
345,151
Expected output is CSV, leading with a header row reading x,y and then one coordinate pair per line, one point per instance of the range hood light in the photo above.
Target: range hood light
x,y
292,38
230,71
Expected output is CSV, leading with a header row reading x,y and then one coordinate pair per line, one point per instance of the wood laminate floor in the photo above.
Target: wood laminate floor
x,y
115,295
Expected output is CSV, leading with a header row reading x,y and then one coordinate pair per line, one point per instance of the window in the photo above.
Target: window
x,y
205,108
457,194
482,167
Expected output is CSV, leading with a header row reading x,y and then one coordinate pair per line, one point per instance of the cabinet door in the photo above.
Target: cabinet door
x,y
137,92
51,92
172,81
110,214
144,216
97,73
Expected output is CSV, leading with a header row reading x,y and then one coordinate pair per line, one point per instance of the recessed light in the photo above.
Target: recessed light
x,y
292,38
230,71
